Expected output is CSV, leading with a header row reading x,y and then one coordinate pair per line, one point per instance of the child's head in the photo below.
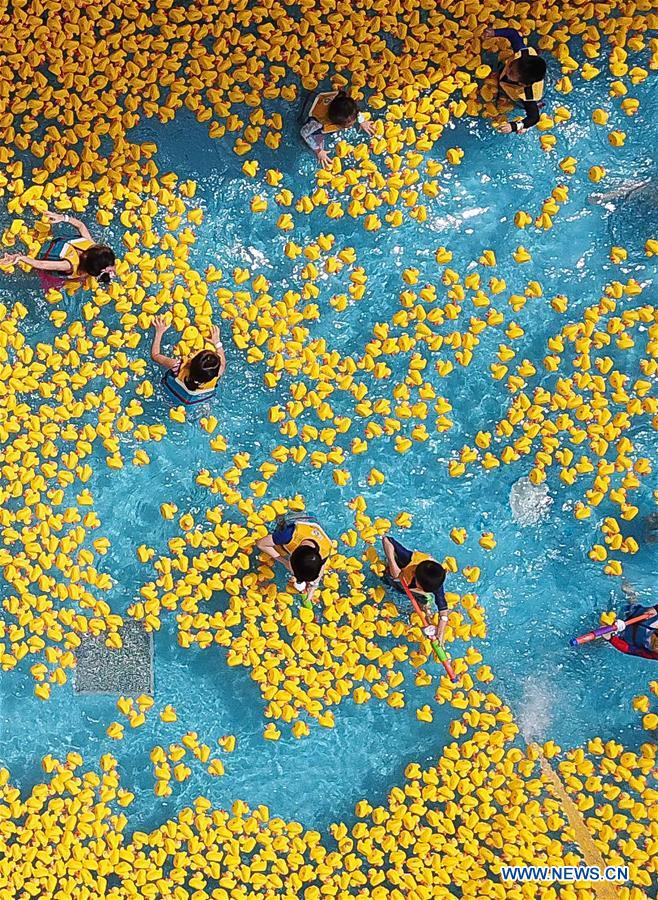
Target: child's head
x,y
306,563
202,369
342,110
430,575
97,261
527,70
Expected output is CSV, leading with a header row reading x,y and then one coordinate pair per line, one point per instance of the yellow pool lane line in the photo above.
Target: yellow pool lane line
x,y
590,852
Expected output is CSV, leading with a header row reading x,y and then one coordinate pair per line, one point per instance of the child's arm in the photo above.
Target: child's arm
x,y
160,327
43,265
441,630
310,593
267,545
510,34
442,607
437,632
389,552
82,229
312,135
531,118
216,339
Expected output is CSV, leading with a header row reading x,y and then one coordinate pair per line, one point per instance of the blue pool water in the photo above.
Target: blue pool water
x,y
538,586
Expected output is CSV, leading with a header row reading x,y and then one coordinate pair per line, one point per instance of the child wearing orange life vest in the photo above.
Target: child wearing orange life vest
x,y
423,576
521,78
69,260
303,547
329,112
193,380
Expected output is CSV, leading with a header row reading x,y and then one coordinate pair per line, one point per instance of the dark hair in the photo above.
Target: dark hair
x,y
95,259
203,368
430,575
342,109
306,563
530,69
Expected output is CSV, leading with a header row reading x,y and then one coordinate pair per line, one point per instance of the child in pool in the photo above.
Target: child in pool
x,y
521,78
303,547
423,576
69,260
193,380
326,113
641,638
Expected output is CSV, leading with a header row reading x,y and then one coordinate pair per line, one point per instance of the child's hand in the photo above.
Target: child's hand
x,y
54,217
489,33
324,159
310,594
215,335
505,128
160,325
9,259
368,126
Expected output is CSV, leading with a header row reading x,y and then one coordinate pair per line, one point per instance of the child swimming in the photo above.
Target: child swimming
x,y
423,576
521,78
193,380
73,259
326,113
640,638
303,547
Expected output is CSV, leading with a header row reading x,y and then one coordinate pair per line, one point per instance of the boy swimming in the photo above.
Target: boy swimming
x,y
521,78
326,113
303,547
423,576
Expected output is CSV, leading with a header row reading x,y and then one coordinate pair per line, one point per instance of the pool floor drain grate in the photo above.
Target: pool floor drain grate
x,y
101,670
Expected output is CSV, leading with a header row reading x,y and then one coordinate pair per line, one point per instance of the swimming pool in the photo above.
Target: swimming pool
x,y
537,587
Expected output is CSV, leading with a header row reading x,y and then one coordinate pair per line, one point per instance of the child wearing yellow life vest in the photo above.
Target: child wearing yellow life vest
x,y
326,113
69,259
522,78
193,380
303,547
423,576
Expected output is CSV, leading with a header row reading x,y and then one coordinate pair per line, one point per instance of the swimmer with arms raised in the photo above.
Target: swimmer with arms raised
x,y
194,380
